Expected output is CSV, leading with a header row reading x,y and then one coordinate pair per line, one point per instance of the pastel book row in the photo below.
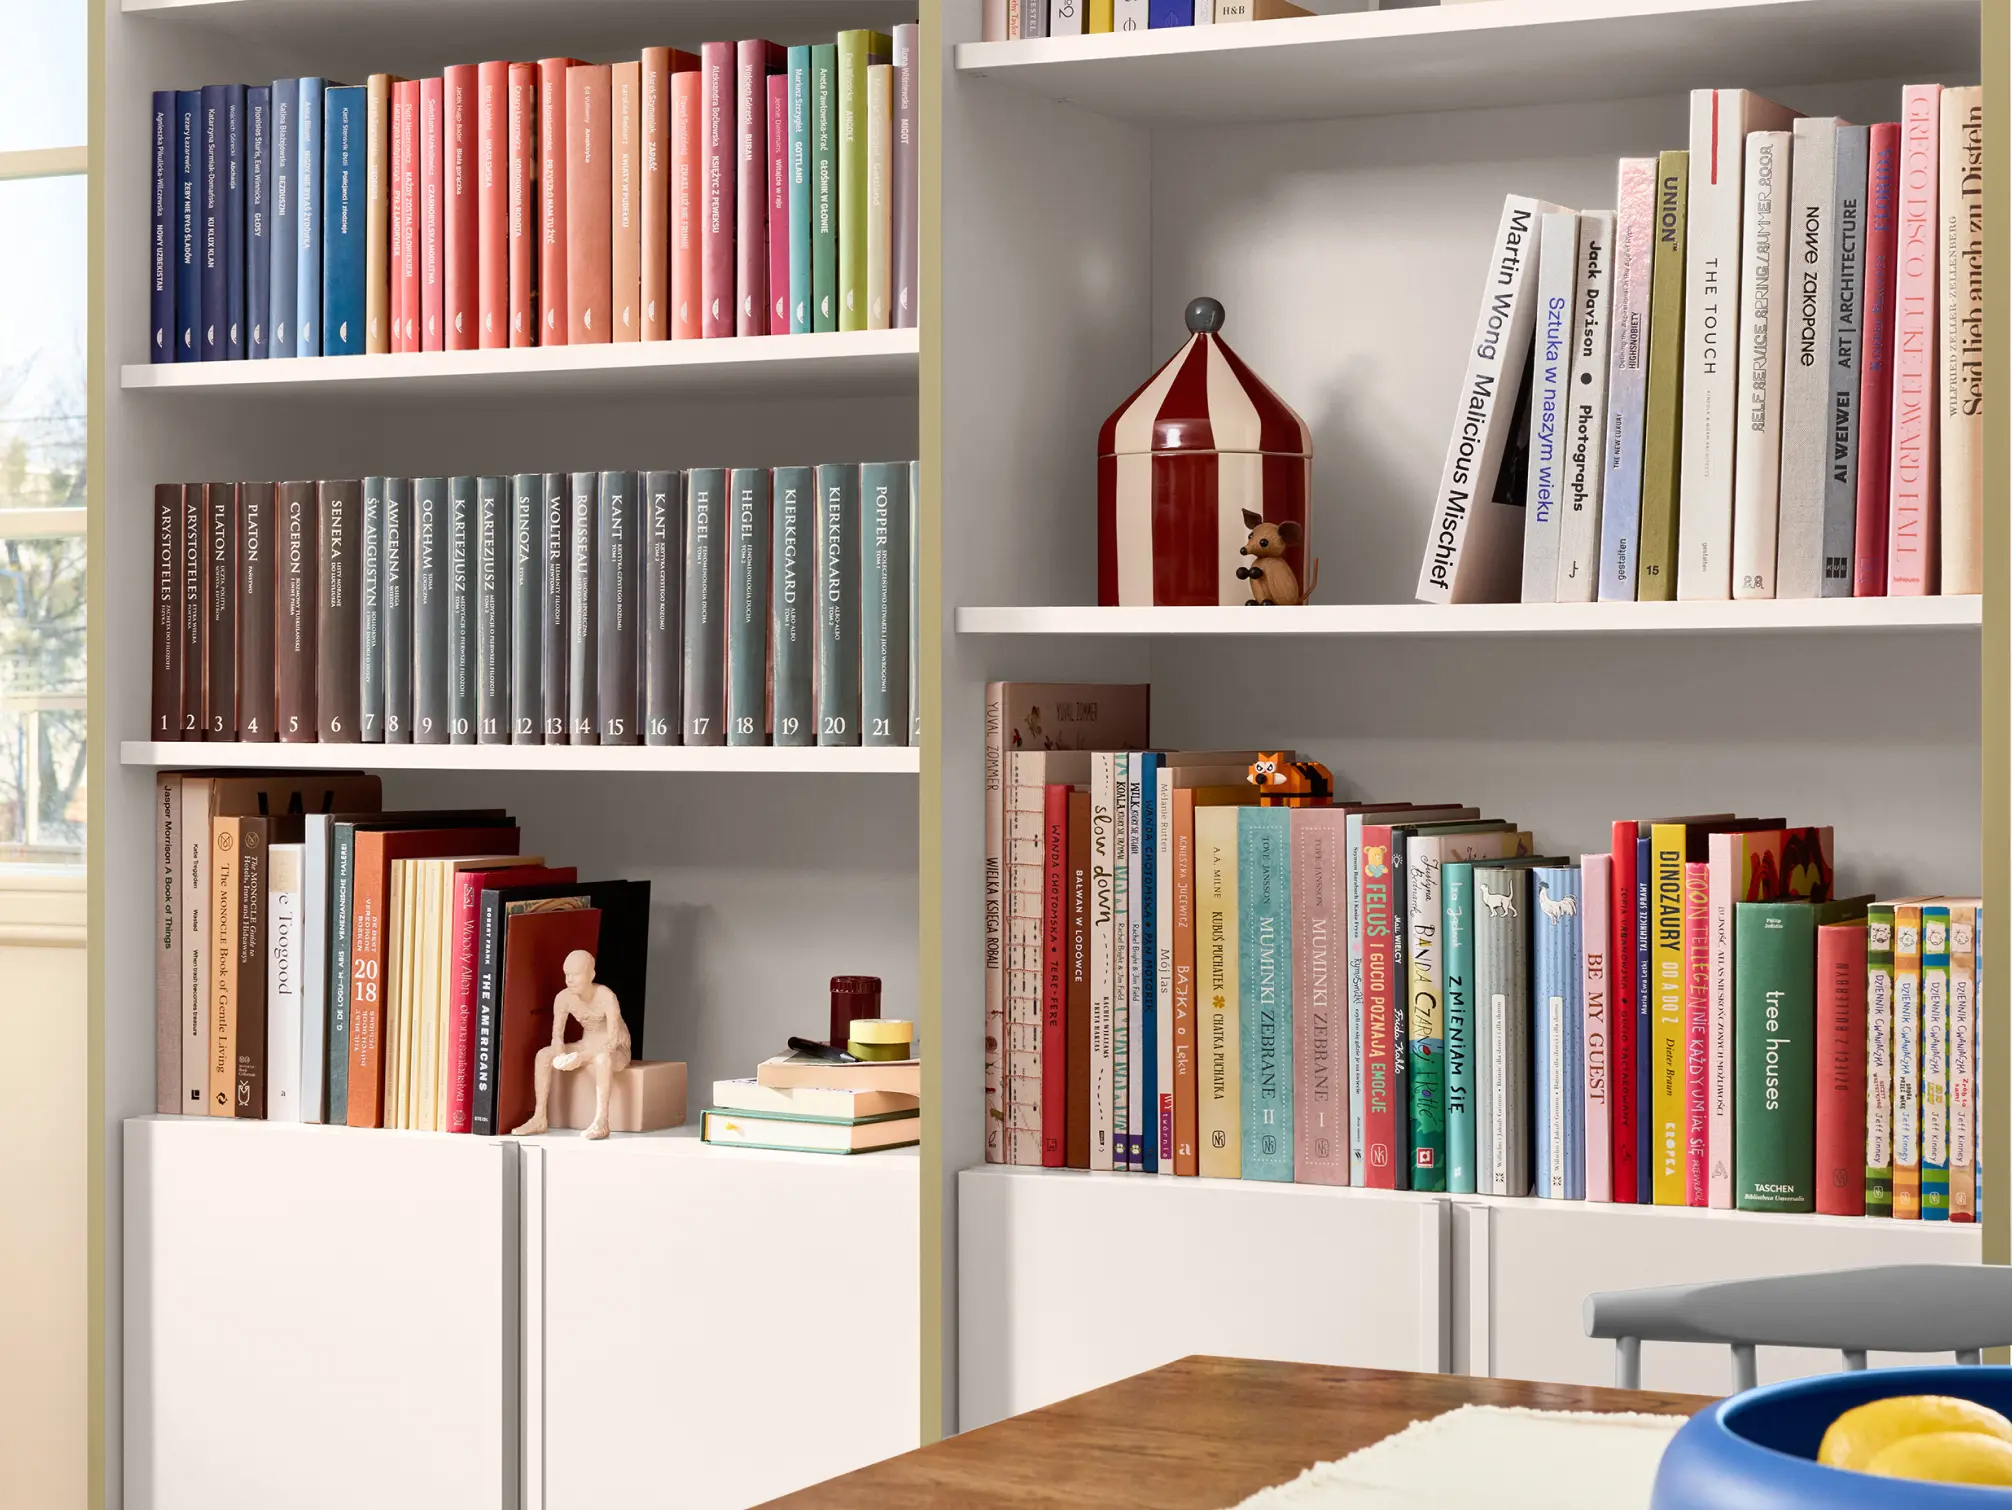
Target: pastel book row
x,y
1011,20
318,959
1761,375
743,189
714,606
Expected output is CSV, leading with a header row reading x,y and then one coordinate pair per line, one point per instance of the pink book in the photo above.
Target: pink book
x,y
1913,544
432,284
756,61
1875,393
716,188
778,204
492,202
394,276
1697,1026
1732,858
523,135
687,276
1320,996
1054,976
459,185
405,215
552,200
589,203
625,130
1596,1022
461,999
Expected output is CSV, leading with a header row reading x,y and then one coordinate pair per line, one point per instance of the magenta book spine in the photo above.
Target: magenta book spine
x,y
1913,550
716,255
1597,1022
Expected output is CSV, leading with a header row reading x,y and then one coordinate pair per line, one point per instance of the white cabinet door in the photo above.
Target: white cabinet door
x,y
1069,1281
318,1318
710,1328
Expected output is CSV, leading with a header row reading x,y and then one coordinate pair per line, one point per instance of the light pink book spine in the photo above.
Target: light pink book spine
x,y
1727,872
1697,1027
1913,549
432,292
778,204
1320,1089
1597,1022
716,163
406,187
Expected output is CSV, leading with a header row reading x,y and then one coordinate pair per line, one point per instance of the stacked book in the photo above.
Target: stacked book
x,y
1760,376
1183,977
745,189
716,606
318,959
806,1104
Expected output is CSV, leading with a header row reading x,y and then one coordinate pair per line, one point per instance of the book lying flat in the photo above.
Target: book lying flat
x,y
837,1103
813,1134
789,1071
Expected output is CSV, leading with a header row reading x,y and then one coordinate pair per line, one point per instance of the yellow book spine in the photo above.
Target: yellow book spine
x,y
1667,1089
1907,1061
1220,1093
1101,18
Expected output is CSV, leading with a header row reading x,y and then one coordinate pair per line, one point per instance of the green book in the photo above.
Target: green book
x,y
884,546
1457,1003
856,49
824,187
1879,1059
1663,419
1264,959
799,173
1934,1062
1774,1050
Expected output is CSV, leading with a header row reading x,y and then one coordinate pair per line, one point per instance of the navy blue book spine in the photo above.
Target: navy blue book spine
x,y
188,225
1170,13
160,232
258,221
307,130
1644,885
1146,1055
214,168
282,244
343,237
234,222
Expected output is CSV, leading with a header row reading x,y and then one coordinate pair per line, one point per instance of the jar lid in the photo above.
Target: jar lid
x,y
881,1030
1205,399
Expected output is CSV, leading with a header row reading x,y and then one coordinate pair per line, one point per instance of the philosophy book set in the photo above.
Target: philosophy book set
x,y
1182,979
745,189
1760,376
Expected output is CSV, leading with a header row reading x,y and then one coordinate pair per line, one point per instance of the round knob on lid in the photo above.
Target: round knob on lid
x,y
1205,316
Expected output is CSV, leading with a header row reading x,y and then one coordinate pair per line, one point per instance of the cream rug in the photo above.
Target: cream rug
x,y
1488,1457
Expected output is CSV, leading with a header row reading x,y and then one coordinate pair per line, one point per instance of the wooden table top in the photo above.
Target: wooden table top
x,y
1197,1434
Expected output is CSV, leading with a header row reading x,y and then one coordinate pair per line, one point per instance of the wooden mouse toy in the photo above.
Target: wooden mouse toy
x,y
1271,579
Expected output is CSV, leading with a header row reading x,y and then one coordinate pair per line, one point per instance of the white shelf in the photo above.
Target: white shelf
x,y
838,364
758,760
1459,57
1411,620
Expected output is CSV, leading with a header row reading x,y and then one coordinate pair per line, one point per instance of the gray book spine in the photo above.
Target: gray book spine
x,y
705,606
398,610
907,240
1809,296
1502,1005
915,606
460,611
492,610
792,621
371,665
339,634
582,720
527,599
552,648
838,604
429,610
617,583
663,606
1840,493
747,606
883,603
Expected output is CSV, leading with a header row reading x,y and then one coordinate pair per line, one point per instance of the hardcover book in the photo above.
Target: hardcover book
x,y
1757,471
1319,1052
1655,569
165,715
405,173
879,193
188,267
527,606
716,195
1964,1063
378,284
397,589
617,581
1811,256
748,568
583,721
1960,386
212,190
432,217
799,191
793,614
838,633
232,181
824,182
1879,922
282,977
1840,1067
344,237
309,132
491,592
460,197
160,232
338,632
554,305
907,239
1077,1011
295,714
884,630
1848,312
778,203
1622,969
1556,984
461,626
522,194
1913,551
856,51
283,229
1596,1036
663,606
1935,1062
429,612
256,615
706,552
1875,389
1907,916
625,320
1219,1091
220,594
1551,372
554,651
687,278
370,596
257,221
1264,959
589,203
755,60
1585,412
1502,933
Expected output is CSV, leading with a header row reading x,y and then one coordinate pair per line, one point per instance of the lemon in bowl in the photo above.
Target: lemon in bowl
x,y
1861,1434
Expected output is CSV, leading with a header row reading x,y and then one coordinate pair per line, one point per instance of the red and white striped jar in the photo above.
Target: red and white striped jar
x,y
1179,463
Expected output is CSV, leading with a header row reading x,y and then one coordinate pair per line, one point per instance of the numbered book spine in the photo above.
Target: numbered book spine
x,y
1879,1059
343,236
1907,1060
492,594
1875,386
429,611
1913,553
907,298
1596,1033
160,232
527,603
1963,1061
663,606
461,626
583,723
616,584
824,187
397,598
1935,1063
1845,419
747,606
792,610
1960,389
1586,412
338,628
883,602
220,527
1550,374
256,615
258,220
370,667
294,658
1840,1068
838,636
1809,252
553,651
1264,954
308,133
705,606
165,717
283,232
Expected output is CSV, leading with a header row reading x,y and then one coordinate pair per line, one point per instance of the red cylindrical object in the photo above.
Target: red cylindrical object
x,y
852,997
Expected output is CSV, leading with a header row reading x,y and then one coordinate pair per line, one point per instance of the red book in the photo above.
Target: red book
x,y
461,982
1076,1012
1055,978
1621,984
717,140
523,138
756,60
405,304
459,181
778,204
492,202
395,204
687,275
1913,534
589,205
1840,1068
1697,1030
625,244
551,175
653,229
1382,1113
1875,391
432,284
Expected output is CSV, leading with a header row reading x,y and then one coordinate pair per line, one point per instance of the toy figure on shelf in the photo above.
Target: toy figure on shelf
x,y
1270,574
603,1045
1284,782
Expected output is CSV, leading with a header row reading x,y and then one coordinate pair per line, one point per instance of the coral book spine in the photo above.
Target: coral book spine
x,y
552,303
1697,1031
523,202
687,196
1913,540
395,203
625,88
461,314
406,174
653,252
1625,1061
589,206
432,282
778,204
1840,1068
1054,978
492,203
716,169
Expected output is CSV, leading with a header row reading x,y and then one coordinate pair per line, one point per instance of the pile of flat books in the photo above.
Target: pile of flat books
x,y
803,1104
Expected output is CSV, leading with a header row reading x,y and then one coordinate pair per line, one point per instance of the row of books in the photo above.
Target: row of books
x,y
1183,979
1760,376
1010,20
318,959
746,189
715,606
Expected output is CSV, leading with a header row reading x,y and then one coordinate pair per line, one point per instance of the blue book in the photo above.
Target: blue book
x,y
188,225
1558,989
1644,1155
161,233
799,191
281,233
258,220
1264,968
1147,1051
1456,881
1170,13
307,219
213,169
234,222
343,237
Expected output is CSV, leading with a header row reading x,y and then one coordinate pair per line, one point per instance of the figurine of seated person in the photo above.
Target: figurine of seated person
x,y
603,1045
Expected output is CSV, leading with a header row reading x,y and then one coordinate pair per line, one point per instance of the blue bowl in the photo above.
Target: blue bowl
x,y
1757,1451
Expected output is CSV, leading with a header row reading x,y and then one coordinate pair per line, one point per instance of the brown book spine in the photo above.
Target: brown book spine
x,y
1186,1108
338,617
222,923
165,721
1077,1022
299,576
220,511
653,237
523,204
257,616
254,839
589,203
370,885
377,213
552,305
168,944
195,662
625,247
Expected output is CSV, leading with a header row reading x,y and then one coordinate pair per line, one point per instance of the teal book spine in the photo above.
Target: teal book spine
x,y
838,604
340,891
800,321
824,187
1457,1003
342,223
1934,1063
1264,958
883,603
461,503
792,609
371,658
747,607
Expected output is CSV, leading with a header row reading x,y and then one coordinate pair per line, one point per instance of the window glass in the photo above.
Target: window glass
x,y
45,103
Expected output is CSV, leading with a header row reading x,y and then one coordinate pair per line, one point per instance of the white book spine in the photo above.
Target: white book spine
x,y
1809,252
1723,889
1550,378
283,1097
1103,952
1757,452
1961,391
1205,12
1635,230
1163,950
1352,943
1065,18
1135,973
1586,410
1840,505
1473,545
1128,15
1906,1053
1596,1022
